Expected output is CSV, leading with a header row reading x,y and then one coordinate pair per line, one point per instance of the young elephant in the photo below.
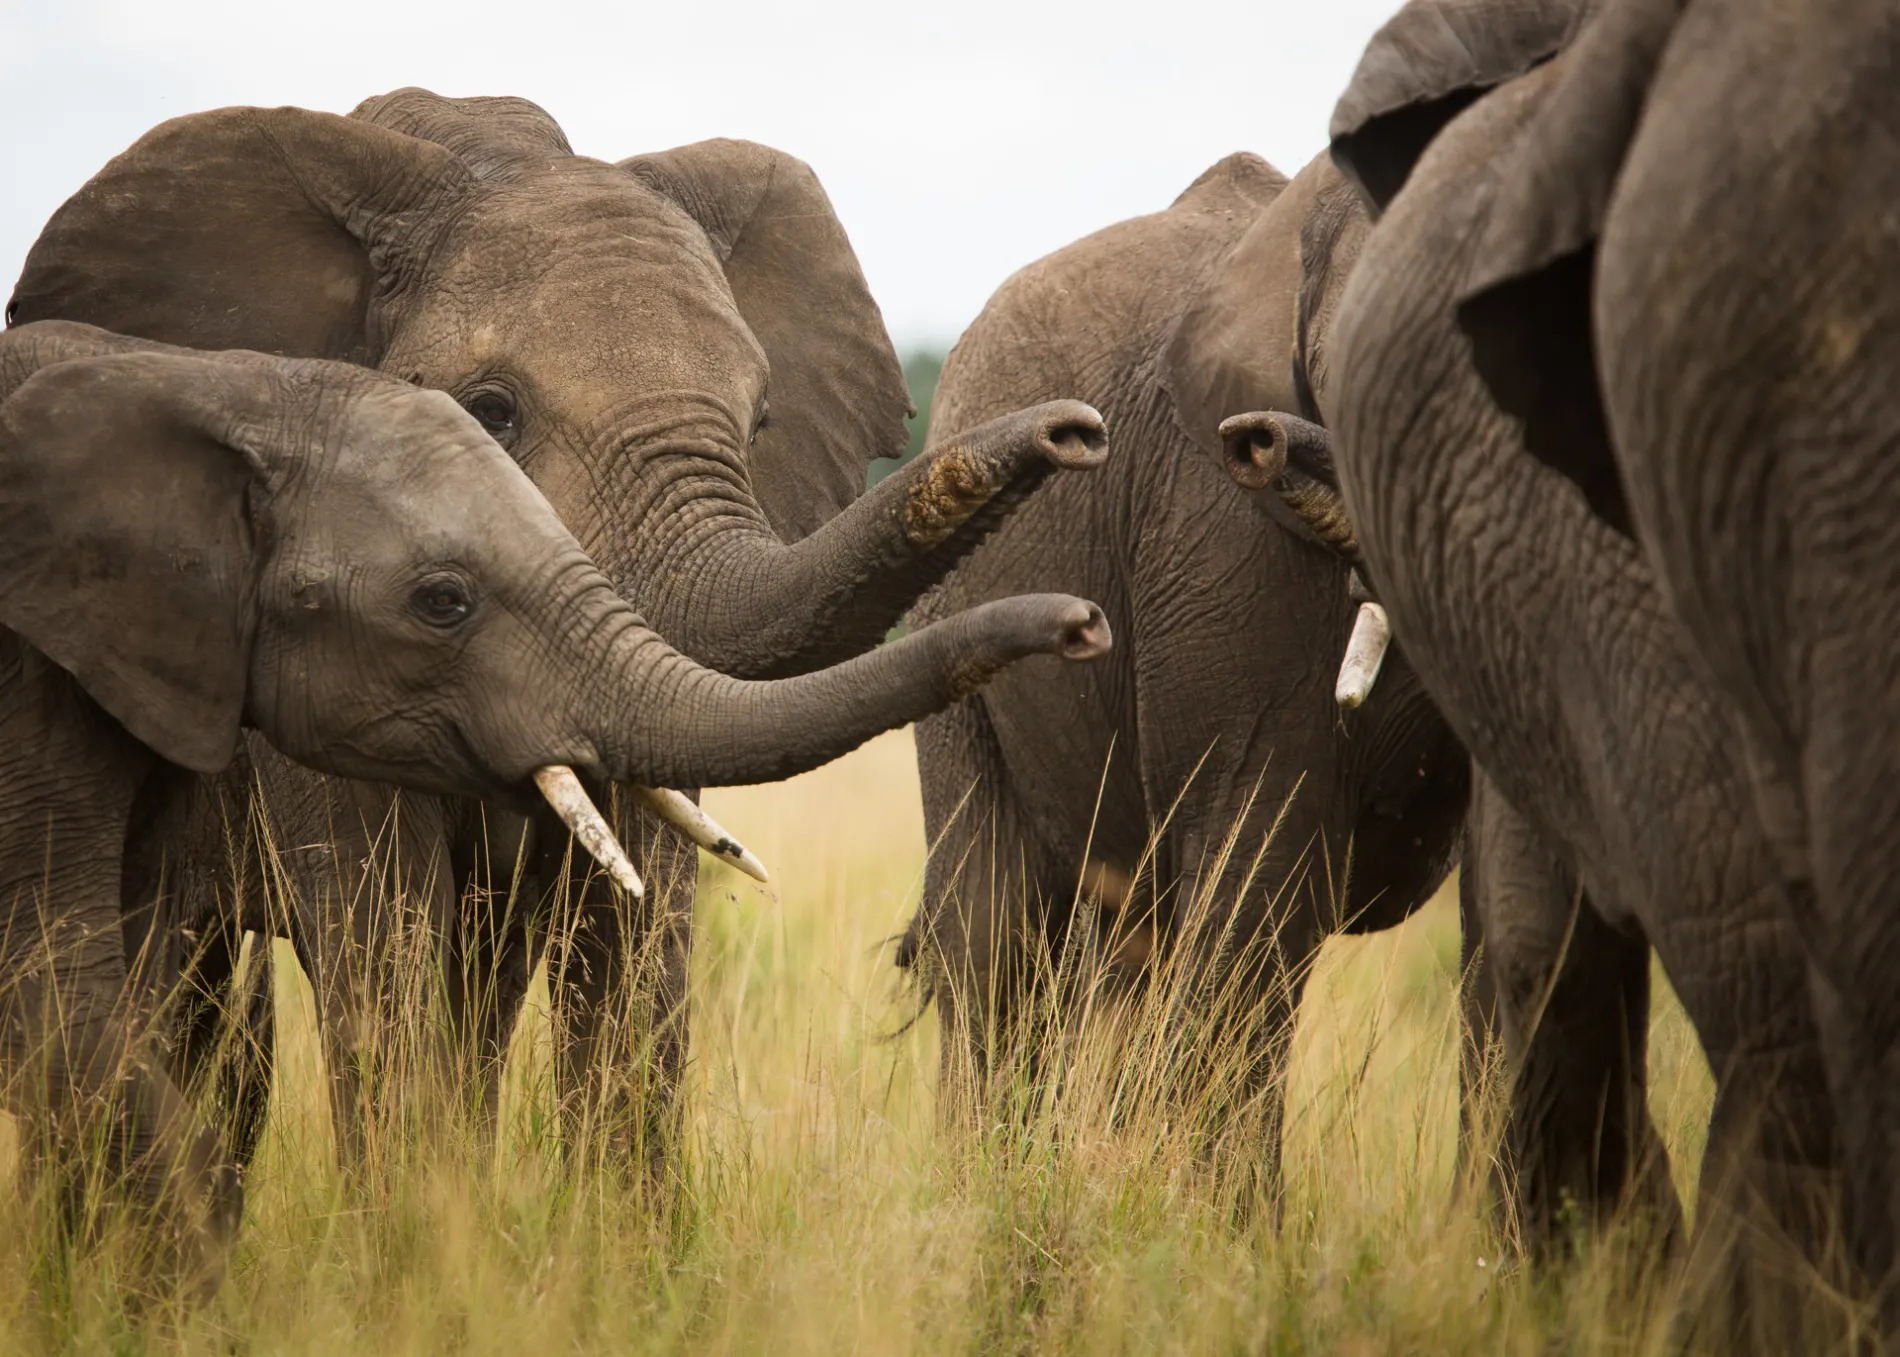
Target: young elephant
x,y
193,543
1218,715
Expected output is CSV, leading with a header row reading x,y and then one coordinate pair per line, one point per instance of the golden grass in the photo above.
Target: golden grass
x,y
823,1210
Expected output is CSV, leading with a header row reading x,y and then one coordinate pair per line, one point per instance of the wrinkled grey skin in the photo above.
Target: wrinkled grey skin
x,y
352,567
1217,712
619,329
1726,236
1552,649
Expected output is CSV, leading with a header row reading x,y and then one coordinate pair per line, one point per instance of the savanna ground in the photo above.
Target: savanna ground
x,y
823,1210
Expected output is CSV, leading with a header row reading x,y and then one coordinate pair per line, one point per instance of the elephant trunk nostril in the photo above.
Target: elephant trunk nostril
x,y
1255,445
1086,637
1075,435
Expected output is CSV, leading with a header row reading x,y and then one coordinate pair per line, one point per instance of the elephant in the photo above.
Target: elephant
x,y
1697,279
615,327
195,543
1615,796
1217,716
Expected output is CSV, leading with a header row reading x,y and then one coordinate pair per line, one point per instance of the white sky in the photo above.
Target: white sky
x,y
959,140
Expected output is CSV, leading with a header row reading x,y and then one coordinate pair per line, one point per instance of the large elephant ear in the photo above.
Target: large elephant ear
x,y
1430,61
1234,347
1526,303
126,549
836,393
276,229
495,136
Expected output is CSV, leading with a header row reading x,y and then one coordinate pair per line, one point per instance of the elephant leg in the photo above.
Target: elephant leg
x,y
223,1035
618,972
1846,909
986,887
190,886
490,946
100,1107
370,890
1767,1215
1233,992
1570,999
1481,1044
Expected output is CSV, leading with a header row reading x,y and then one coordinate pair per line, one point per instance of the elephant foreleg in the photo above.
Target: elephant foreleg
x,y
223,1038
617,973
370,892
1572,1006
987,886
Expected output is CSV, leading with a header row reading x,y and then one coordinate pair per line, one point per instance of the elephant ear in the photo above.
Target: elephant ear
x,y
278,229
1428,63
1526,303
126,546
836,393
1231,349
497,137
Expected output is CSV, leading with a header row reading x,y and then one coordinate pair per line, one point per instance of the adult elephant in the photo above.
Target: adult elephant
x,y
616,329
192,543
1213,738
1723,247
1548,641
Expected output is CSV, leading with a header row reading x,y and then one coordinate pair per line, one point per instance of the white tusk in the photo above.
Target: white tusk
x,y
678,810
570,801
1365,652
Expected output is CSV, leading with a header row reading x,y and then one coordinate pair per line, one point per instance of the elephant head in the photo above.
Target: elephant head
x,y
1256,340
1248,369
1253,349
679,349
353,566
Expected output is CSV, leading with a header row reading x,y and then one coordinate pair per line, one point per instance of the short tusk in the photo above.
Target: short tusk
x,y
1365,652
570,801
678,810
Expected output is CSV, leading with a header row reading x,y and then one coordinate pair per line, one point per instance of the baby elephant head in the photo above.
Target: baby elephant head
x,y
352,565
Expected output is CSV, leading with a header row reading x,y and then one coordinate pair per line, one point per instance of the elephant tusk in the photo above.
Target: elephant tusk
x,y
678,810
1365,652
570,801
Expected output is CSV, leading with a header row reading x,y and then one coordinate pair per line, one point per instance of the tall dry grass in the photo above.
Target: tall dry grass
x,y
819,1207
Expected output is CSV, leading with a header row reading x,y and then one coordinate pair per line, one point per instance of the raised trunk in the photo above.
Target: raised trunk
x,y
744,602
664,720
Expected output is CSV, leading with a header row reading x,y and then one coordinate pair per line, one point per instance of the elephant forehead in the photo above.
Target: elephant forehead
x,y
415,459
581,271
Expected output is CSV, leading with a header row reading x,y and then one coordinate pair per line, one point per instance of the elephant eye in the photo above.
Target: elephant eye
x,y
442,602
765,416
494,411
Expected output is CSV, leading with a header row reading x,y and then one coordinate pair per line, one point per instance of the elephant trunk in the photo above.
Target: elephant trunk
x,y
1291,460
663,720
752,606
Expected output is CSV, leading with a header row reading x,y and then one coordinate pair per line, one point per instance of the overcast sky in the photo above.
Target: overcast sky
x,y
958,140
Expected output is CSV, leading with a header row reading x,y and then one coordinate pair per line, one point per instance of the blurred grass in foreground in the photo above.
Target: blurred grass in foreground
x,y
822,1210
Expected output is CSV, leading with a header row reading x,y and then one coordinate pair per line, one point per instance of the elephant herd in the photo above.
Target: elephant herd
x,y
1571,358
